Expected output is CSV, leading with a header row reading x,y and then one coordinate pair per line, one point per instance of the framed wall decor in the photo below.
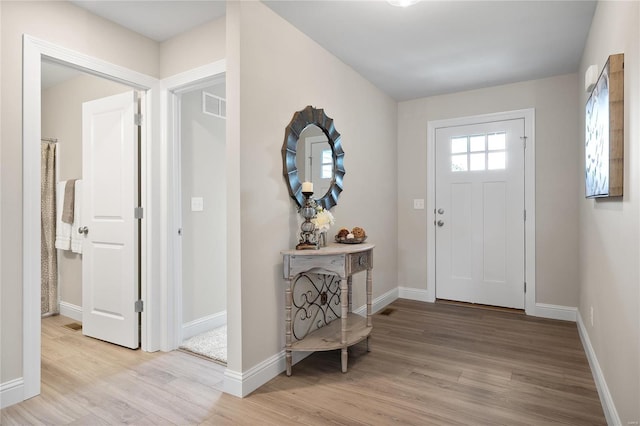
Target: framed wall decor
x,y
604,132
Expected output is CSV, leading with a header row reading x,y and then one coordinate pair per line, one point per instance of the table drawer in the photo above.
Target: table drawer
x,y
360,261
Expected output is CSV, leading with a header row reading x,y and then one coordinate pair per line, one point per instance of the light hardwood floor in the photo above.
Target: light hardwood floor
x,y
430,364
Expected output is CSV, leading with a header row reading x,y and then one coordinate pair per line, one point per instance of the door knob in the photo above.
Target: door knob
x,y
440,223
440,211
83,230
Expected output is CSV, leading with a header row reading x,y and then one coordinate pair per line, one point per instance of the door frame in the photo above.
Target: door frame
x,y
171,280
34,51
529,196
308,173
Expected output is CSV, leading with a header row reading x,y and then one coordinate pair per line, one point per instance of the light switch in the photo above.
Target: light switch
x,y
418,204
197,204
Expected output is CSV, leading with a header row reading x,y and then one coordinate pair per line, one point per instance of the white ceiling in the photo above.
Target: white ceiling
x,y
158,20
433,47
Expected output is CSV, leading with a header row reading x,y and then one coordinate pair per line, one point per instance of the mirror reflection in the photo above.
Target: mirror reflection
x,y
315,159
312,151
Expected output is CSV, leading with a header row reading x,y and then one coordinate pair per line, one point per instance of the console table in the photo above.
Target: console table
x,y
337,263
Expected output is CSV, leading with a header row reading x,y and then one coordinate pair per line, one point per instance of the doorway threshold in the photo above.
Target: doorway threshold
x,y
480,306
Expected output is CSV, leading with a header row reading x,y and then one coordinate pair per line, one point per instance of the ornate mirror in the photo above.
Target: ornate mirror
x,y
312,152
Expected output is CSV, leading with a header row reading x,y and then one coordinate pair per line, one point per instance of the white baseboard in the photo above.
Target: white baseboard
x,y
11,392
72,311
418,294
204,324
566,313
609,408
378,303
242,384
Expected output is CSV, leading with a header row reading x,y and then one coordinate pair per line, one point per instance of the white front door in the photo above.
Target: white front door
x,y
110,194
479,217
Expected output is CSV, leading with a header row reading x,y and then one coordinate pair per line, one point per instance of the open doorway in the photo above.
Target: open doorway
x,y
201,258
64,92
35,52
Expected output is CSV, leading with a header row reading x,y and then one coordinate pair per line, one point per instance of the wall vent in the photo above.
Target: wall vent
x,y
214,105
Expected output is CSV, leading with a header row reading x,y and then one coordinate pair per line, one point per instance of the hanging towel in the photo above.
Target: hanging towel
x,y
77,238
69,201
63,230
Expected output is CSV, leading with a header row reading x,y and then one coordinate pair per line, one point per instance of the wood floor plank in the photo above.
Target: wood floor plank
x,y
430,364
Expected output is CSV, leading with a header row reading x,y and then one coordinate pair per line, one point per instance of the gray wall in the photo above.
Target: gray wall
x,y
273,71
204,236
609,254
556,115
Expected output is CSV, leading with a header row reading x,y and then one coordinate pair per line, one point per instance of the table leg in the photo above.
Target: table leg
x,y
350,283
344,301
369,301
287,326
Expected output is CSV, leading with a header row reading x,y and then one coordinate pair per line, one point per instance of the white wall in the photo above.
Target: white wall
x,y
64,24
556,110
201,45
276,70
609,255
62,119
204,233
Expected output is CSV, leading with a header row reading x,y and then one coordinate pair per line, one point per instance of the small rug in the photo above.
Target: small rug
x,y
211,344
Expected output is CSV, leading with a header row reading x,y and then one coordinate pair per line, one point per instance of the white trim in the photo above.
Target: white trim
x,y
204,324
378,303
34,50
419,294
170,188
529,193
608,406
242,384
557,312
11,392
72,311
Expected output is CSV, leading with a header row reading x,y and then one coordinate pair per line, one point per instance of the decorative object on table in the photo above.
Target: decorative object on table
x,y
604,132
308,236
323,221
356,236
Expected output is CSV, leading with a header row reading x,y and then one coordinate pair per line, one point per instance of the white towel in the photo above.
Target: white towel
x,y
76,237
63,230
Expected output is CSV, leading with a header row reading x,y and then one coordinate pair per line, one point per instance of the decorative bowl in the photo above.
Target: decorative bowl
x,y
345,240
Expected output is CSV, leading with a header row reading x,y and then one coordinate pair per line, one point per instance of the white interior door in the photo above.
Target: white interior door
x,y
479,218
110,285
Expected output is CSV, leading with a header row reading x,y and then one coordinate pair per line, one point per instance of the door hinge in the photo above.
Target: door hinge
x,y
524,141
525,286
524,214
180,232
137,118
138,306
138,212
